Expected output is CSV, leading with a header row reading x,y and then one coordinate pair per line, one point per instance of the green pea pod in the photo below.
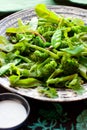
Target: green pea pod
x,y
83,71
24,83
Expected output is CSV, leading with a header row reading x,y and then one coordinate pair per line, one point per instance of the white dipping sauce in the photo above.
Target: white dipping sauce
x,y
12,113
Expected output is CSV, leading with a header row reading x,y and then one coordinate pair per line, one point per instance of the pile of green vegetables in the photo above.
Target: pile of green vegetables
x,y
48,52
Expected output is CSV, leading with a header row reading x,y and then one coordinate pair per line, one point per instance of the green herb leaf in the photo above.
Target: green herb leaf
x,y
49,92
56,39
45,13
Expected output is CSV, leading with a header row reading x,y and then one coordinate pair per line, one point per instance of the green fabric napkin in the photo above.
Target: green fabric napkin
x,y
79,1
15,5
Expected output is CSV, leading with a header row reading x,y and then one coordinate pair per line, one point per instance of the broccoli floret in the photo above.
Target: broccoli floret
x,y
43,69
63,44
49,68
76,84
69,65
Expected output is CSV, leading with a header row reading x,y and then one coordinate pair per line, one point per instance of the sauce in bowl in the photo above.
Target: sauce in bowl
x,y
11,113
14,110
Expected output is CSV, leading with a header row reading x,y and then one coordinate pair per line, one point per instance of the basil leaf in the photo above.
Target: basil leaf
x,y
43,12
56,39
76,50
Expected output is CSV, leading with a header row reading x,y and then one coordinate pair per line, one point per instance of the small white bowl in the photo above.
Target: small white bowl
x,y
14,111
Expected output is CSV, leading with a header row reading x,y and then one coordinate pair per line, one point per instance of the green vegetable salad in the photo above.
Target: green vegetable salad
x,y
48,52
